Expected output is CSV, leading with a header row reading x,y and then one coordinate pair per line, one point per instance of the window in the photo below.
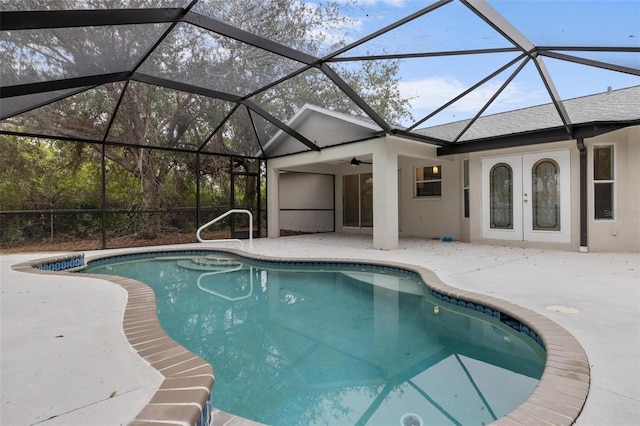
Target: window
x,y
465,187
603,182
545,194
429,181
501,196
357,200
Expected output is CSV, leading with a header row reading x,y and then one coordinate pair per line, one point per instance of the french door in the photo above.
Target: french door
x,y
527,197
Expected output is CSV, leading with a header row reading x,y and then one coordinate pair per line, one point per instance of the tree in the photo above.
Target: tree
x,y
160,117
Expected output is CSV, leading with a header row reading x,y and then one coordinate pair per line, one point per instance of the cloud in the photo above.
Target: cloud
x,y
428,94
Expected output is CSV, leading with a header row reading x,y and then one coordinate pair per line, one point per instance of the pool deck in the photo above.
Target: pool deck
x,y
65,359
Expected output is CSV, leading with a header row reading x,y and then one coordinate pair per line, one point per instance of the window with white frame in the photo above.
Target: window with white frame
x,y
428,181
603,182
465,188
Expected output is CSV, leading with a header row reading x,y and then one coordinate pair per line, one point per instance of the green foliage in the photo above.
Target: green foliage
x,y
379,86
37,174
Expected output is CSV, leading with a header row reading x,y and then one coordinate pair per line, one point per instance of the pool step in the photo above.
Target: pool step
x,y
210,263
399,284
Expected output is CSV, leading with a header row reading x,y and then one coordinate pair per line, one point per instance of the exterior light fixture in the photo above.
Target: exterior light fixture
x,y
435,170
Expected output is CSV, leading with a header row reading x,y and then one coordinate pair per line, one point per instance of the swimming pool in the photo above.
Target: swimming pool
x,y
331,343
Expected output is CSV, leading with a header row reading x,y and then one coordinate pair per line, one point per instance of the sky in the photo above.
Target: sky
x,y
430,82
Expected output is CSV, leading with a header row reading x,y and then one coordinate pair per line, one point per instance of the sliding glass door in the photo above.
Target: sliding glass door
x,y
357,200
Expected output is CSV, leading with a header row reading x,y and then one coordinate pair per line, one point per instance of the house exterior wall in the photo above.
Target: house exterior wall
x,y
619,234
622,233
464,222
431,217
306,202
443,216
332,161
475,189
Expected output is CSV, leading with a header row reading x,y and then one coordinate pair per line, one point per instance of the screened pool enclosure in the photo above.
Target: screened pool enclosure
x,y
151,117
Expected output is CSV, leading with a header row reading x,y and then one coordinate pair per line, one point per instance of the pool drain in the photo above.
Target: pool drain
x,y
411,419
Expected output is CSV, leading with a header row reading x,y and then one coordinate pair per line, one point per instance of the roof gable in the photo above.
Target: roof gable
x,y
322,126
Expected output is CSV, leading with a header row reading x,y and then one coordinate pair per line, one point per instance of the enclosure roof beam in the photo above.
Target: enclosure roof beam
x,y
39,104
489,15
291,132
348,90
491,99
388,28
218,127
62,84
593,63
249,38
553,92
438,54
44,19
184,87
466,92
511,33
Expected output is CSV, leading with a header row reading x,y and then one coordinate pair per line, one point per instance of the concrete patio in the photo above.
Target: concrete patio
x,y
65,360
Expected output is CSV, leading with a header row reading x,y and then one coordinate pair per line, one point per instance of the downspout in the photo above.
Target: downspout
x,y
584,247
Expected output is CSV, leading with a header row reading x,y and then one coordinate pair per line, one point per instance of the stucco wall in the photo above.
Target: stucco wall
x,y
431,217
622,233
475,189
465,222
306,202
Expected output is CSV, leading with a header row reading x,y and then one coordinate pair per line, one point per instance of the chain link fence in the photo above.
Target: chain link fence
x,y
43,230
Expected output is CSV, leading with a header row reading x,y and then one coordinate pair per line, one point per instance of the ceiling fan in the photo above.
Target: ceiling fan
x,y
356,162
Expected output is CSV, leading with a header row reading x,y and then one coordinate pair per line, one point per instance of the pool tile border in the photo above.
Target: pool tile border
x,y
183,396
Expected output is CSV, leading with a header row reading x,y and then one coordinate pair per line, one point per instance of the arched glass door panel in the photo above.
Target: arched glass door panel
x,y
545,195
501,196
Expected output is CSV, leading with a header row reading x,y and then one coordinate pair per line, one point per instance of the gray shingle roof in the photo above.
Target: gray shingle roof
x,y
615,106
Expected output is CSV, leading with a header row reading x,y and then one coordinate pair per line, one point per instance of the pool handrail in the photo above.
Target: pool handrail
x,y
222,216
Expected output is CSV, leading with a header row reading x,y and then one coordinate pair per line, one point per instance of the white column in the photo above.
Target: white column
x,y
273,202
385,197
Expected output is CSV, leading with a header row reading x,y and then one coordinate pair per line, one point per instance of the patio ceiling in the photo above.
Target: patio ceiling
x,y
224,76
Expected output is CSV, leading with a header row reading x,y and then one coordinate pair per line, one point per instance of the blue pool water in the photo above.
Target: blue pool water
x,y
336,345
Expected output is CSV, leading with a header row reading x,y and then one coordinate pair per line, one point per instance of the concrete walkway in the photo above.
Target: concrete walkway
x,y
71,380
